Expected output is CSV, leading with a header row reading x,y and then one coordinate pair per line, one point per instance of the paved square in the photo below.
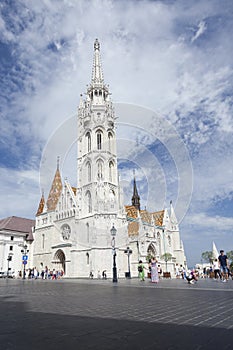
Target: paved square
x,y
88,314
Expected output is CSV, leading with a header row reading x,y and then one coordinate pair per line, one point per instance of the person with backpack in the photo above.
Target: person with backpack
x,y
141,273
223,265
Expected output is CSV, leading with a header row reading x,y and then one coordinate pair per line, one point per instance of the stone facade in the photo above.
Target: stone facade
x,y
15,234
72,231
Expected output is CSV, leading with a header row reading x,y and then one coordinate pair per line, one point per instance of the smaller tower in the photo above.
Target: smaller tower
x,y
55,190
135,198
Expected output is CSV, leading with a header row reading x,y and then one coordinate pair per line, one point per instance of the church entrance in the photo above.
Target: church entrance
x,y
60,261
151,251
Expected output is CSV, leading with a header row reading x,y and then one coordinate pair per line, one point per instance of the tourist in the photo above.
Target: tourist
x,y
177,271
36,273
216,269
154,271
223,264
191,276
141,268
159,271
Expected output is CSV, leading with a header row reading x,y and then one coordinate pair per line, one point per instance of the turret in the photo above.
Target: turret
x,y
135,198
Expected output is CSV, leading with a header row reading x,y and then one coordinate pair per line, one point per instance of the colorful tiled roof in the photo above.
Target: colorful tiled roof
x,y
74,189
41,206
147,217
55,192
158,217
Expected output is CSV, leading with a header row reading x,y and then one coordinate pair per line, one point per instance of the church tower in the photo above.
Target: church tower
x,y
135,198
98,187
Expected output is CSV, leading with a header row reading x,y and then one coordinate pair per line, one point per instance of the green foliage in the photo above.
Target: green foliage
x,y
208,256
166,257
148,257
230,255
230,258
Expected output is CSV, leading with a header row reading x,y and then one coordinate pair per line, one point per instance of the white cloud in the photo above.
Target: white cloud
x,y
158,63
201,29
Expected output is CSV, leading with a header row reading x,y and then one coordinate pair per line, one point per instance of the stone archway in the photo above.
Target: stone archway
x,y
60,261
151,251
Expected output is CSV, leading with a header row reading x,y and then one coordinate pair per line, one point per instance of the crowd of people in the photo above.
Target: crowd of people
x,y
220,269
46,273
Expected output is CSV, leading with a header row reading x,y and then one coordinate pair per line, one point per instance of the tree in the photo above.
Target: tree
x,y
208,256
230,258
166,257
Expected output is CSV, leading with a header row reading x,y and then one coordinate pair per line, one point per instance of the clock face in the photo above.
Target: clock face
x,y
65,231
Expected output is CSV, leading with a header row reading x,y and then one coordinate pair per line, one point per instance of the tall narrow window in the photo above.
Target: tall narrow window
x,y
42,240
99,140
111,171
100,169
89,204
89,172
87,255
110,141
88,232
88,136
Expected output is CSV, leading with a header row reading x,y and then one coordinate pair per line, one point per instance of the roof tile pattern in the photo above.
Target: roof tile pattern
x,y
41,206
147,217
55,192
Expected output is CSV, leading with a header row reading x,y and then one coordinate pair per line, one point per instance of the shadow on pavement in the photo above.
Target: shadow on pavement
x,y
22,329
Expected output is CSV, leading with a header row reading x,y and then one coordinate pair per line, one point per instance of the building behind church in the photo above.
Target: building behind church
x,y
73,225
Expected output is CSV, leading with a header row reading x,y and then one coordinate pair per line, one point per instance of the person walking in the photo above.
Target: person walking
x,y
141,273
154,271
216,269
223,264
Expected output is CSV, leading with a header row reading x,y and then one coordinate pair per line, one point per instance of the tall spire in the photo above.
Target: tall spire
x,y
41,205
135,198
55,190
97,73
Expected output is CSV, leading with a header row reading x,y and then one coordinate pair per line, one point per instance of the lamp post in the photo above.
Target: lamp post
x,y
128,252
113,232
9,258
24,251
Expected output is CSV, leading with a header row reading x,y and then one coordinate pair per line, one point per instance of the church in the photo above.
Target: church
x,y
80,229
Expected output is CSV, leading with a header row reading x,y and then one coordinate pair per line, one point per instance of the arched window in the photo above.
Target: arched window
x,y
88,137
88,260
111,165
99,139
110,137
89,204
89,172
100,165
151,251
88,232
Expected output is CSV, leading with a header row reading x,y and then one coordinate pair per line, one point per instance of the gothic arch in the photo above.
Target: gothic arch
x,y
88,167
89,201
100,168
99,139
111,168
110,141
88,141
151,250
59,261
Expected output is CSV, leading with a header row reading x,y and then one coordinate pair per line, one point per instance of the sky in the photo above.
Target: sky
x,y
169,68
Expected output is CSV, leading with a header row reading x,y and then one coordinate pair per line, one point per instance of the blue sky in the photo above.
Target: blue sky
x,y
172,59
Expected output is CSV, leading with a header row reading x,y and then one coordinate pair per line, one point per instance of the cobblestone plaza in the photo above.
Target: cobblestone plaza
x,y
88,314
